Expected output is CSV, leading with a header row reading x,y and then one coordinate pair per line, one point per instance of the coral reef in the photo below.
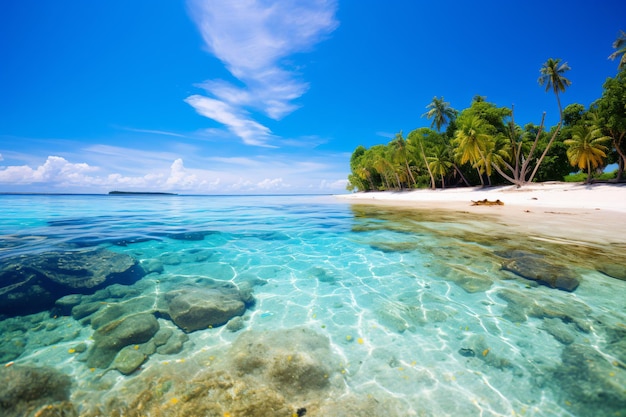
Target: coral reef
x,y
263,374
26,389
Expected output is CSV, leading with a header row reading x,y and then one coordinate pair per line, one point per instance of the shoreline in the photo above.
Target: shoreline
x,y
573,212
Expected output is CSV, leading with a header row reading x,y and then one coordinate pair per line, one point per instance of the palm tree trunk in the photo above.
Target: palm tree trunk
x,y
556,132
622,155
461,174
504,175
522,174
432,178
408,169
480,176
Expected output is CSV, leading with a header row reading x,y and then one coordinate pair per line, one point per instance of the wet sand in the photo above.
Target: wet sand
x,y
567,212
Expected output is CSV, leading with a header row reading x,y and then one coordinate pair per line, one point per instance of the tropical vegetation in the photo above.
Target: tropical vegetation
x,y
483,145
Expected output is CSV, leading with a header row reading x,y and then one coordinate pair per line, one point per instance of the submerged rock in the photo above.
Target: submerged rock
x,y
613,270
536,268
589,382
560,330
295,361
277,373
169,339
235,324
32,283
129,359
200,308
522,304
112,337
64,305
24,389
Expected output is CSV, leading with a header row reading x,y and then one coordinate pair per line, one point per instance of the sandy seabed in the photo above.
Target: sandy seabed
x,y
593,213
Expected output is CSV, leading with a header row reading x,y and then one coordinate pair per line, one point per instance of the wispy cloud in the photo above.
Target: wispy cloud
x,y
154,132
251,132
252,38
386,135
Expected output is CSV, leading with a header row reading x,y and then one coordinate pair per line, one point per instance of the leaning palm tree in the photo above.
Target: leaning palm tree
x,y
440,112
620,51
440,163
586,148
416,143
401,154
552,76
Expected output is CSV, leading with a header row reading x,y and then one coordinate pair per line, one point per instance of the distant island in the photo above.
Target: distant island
x,y
138,193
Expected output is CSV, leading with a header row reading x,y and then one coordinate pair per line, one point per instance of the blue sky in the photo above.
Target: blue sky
x,y
246,97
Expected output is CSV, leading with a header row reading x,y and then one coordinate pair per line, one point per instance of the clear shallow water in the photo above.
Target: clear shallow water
x,y
419,317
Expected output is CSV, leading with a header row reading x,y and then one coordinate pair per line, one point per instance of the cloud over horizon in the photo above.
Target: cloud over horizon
x,y
57,174
252,38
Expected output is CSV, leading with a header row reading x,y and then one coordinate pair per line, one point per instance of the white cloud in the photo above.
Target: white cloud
x,y
251,132
252,174
252,38
272,184
181,179
54,169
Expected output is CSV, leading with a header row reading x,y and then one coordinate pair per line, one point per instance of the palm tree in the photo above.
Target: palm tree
x,y
498,153
401,154
586,148
440,112
440,163
620,50
552,76
416,141
471,143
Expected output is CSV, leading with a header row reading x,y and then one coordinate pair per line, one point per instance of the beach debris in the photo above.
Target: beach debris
x,y
486,202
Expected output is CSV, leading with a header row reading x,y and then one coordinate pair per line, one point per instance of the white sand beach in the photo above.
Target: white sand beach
x,y
580,212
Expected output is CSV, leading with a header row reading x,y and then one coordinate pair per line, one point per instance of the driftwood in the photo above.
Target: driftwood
x,y
486,202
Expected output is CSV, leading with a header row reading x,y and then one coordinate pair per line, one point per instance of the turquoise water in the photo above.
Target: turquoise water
x,y
365,310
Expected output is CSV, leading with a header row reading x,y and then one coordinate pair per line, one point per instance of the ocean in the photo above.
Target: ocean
x,y
175,305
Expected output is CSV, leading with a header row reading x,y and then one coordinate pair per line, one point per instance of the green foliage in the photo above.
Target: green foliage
x,y
582,176
440,112
611,111
482,142
585,148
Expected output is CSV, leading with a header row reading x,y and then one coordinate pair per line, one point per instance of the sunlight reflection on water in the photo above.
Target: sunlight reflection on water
x,y
365,310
